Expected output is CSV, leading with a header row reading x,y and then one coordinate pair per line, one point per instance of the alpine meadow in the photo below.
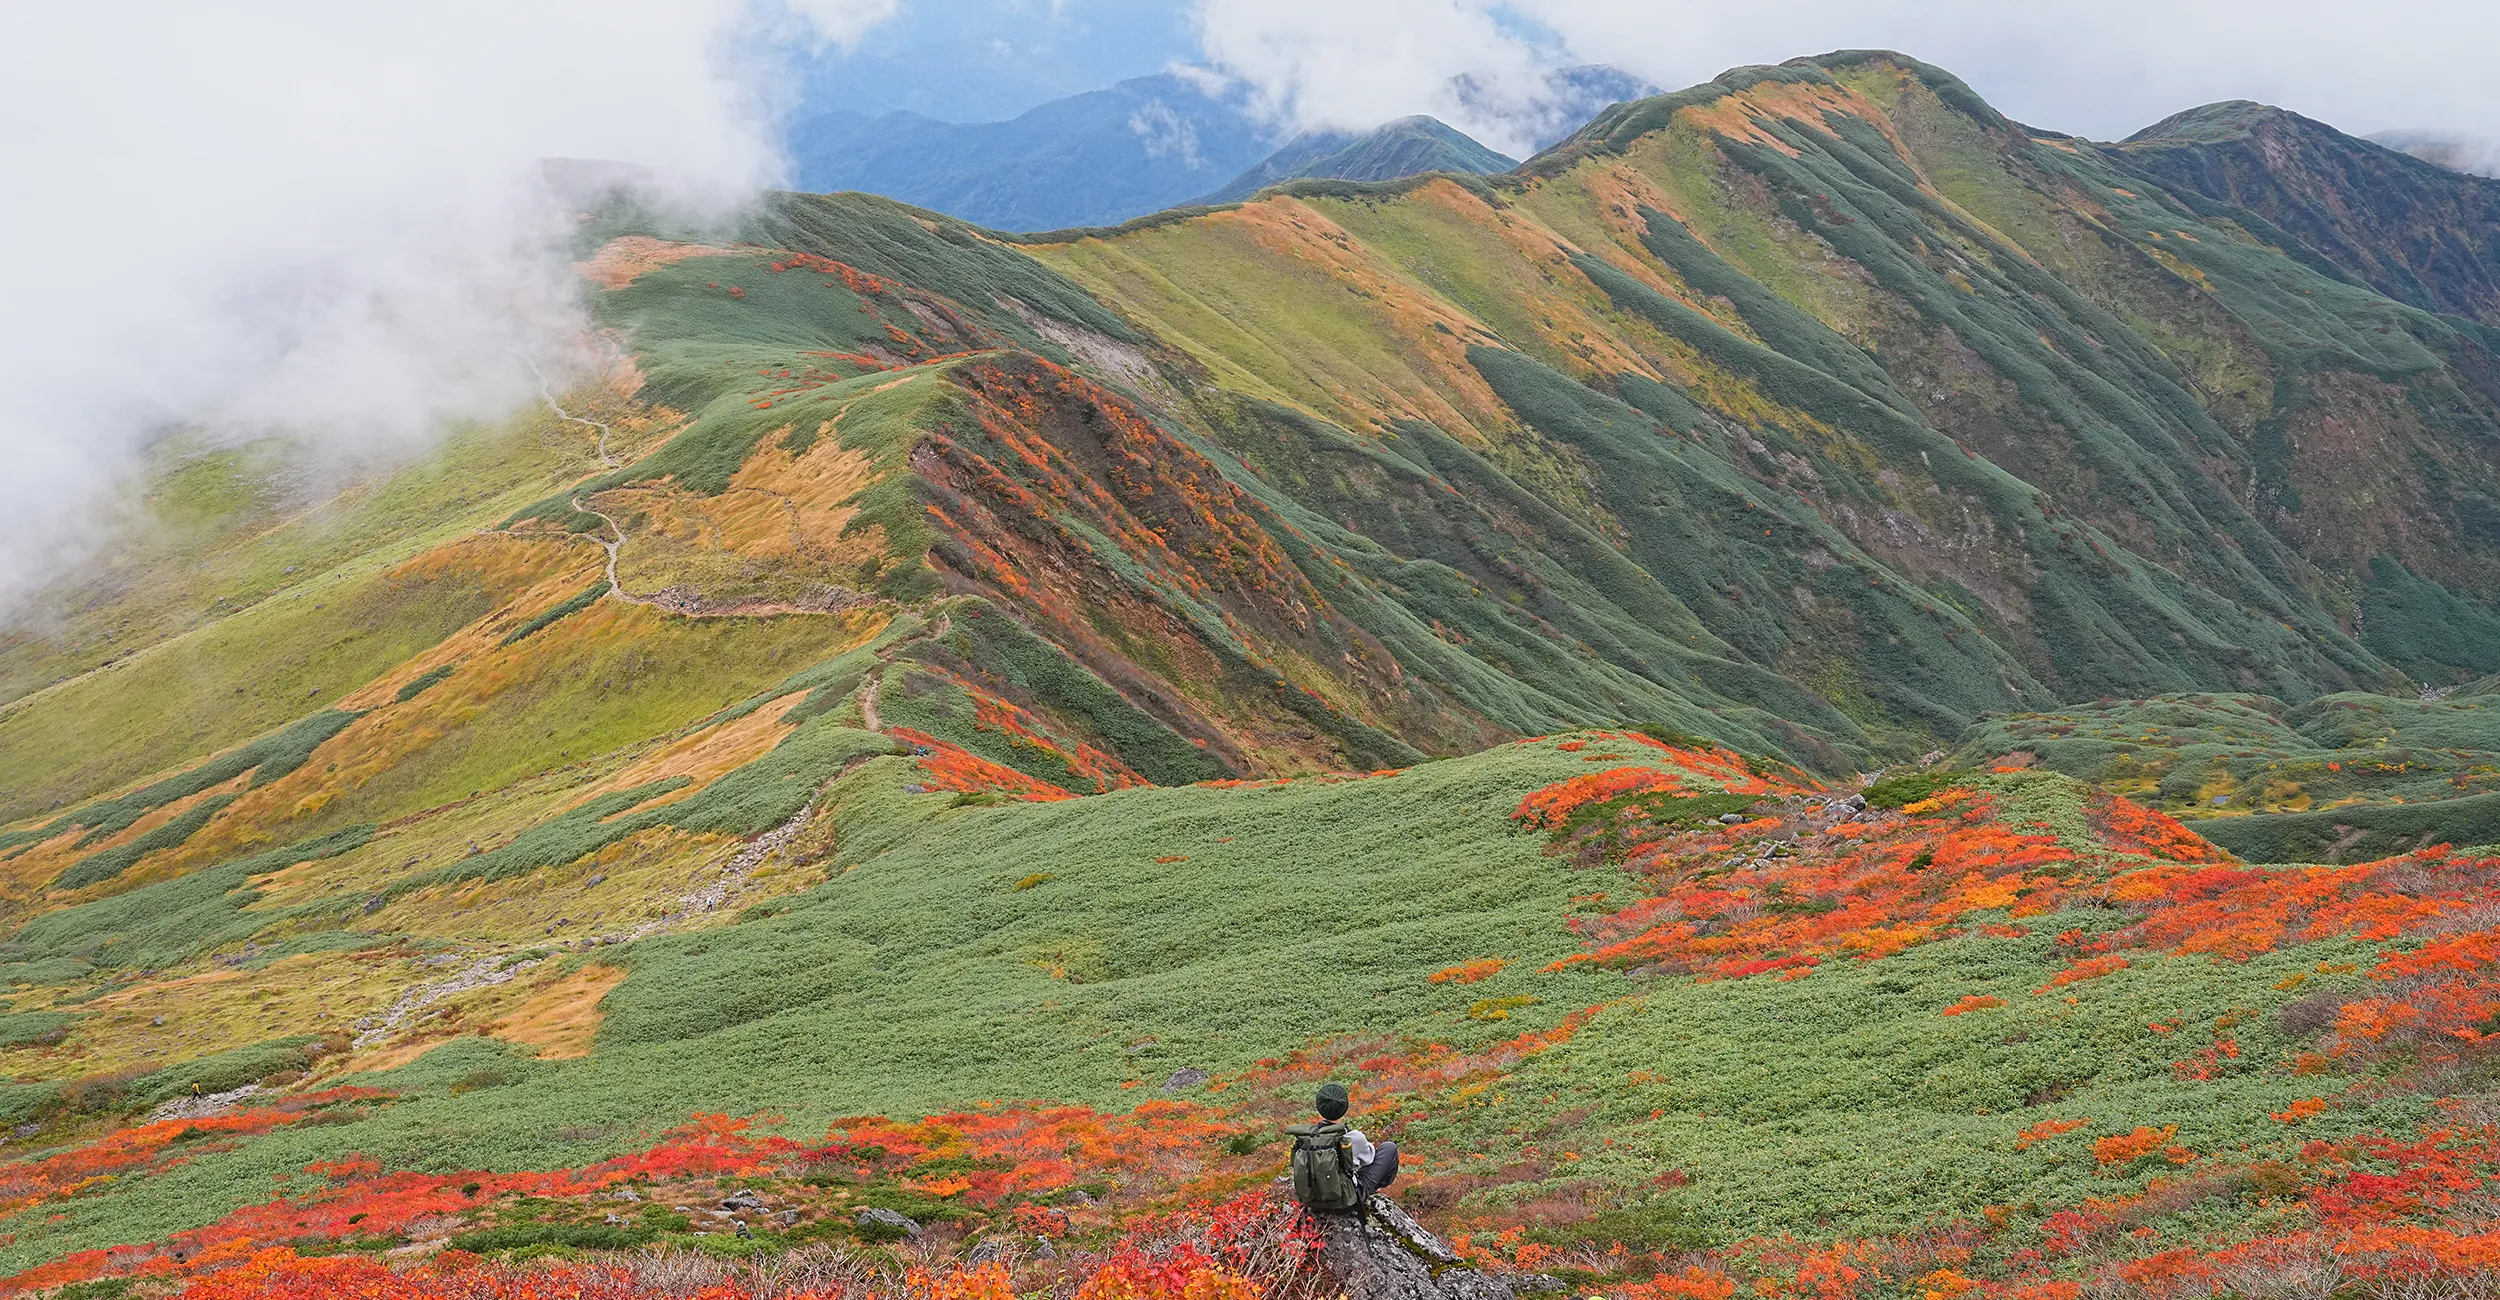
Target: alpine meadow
x,y
1812,694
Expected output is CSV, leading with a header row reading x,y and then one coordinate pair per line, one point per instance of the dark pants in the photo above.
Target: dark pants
x,y
1382,1171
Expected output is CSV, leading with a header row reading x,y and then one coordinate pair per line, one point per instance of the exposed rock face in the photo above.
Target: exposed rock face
x,y
888,1220
1389,1256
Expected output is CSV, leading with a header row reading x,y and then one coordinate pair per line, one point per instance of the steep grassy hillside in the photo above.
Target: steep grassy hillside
x,y
945,725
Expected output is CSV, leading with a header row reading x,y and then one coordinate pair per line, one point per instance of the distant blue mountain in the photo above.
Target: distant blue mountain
x,y
1402,148
988,60
1572,96
1150,143
1093,159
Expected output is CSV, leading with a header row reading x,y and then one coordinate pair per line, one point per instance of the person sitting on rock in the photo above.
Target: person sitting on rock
x,y
1335,1167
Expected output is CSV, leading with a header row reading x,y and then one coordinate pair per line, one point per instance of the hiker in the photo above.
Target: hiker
x,y
1335,1167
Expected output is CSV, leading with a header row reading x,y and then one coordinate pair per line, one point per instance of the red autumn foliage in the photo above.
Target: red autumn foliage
x,y
1551,807
149,1148
1010,1158
2130,827
1892,883
946,767
854,279
1023,730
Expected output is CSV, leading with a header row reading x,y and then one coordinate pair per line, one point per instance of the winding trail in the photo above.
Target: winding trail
x,y
612,543
479,969
486,969
546,394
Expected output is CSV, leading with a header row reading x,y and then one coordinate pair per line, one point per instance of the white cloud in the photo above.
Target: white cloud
x,y
1330,64
320,218
326,218
2103,68
1166,134
841,22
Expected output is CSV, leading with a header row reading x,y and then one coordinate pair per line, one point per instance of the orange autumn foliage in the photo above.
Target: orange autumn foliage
x,y
2044,1130
946,767
1551,807
2126,1148
2090,968
1694,1282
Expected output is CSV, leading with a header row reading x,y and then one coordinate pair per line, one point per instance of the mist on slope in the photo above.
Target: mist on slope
x,y
328,221
331,221
2474,155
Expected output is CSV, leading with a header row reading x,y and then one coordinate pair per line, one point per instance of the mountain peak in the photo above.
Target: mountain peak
x,y
2221,120
1404,147
2412,229
1615,129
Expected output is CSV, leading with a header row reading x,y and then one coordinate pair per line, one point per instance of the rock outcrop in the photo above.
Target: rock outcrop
x,y
1386,1255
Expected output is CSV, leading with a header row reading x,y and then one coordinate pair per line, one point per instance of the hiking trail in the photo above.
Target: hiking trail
x,y
546,394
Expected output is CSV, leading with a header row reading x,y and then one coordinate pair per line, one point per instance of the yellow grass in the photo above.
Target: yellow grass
x,y
546,572
34,868
623,260
560,1019
213,1011
707,755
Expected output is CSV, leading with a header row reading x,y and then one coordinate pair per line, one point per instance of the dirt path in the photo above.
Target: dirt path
x,y
479,969
483,969
615,542
485,972
612,543
546,394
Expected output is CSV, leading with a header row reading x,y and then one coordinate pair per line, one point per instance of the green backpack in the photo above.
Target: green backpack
x,y
1323,1167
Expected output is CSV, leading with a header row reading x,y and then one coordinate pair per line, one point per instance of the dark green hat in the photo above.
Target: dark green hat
x,y
1332,1100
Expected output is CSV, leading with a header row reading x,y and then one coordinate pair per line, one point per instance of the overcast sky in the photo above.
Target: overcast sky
x,y
232,217
2101,68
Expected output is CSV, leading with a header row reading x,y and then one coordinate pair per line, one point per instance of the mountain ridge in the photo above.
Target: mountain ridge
x,y
1406,147
1136,146
1144,145
2420,232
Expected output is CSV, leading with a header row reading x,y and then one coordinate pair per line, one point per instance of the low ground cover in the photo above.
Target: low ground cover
x,y
2016,1036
